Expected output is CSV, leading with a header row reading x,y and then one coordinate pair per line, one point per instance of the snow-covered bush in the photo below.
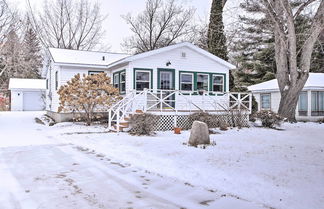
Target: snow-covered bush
x,y
269,118
320,121
87,95
203,117
142,124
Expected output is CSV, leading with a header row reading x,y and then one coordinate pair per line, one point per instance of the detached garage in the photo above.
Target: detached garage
x,y
27,94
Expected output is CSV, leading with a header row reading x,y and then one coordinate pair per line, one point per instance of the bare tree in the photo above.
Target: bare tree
x,y
162,23
293,65
69,24
8,18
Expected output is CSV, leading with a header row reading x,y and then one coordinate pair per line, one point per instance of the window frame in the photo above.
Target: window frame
x,y
223,83
302,112
94,72
317,111
208,81
56,80
150,71
116,80
261,107
122,82
192,81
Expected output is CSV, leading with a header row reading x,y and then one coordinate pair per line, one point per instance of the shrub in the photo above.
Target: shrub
x,y
203,117
88,94
142,124
269,118
320,121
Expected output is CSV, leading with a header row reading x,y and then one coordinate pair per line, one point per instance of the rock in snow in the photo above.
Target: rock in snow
x,y
199,134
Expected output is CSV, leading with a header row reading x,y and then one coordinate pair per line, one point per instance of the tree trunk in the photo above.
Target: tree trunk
x,y
288,103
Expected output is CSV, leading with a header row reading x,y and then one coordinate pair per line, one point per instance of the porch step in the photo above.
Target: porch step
x,y
139,111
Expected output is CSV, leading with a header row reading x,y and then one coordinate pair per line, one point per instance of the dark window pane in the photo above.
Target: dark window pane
x,y
186,78
142,76
122,77
218,80
218,88
142,85
123,87
186,87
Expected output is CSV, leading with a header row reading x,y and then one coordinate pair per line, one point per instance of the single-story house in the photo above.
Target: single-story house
x,y
177,78
310,105
27,94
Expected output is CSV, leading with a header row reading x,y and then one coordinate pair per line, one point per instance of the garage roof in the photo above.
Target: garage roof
x,y
20,83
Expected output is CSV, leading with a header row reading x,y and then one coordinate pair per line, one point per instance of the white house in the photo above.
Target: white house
x,y
311,100
27,94
177,78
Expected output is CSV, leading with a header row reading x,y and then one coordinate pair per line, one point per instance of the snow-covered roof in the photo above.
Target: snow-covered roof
x,y
168,48
20,83
68,56
314,81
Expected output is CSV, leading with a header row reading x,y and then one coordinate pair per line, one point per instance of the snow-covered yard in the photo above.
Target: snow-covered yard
x,y
262,168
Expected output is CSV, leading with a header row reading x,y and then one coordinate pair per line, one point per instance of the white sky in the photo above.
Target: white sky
x,y
116,28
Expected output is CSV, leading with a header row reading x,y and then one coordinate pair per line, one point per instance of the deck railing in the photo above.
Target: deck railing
x,y
175,101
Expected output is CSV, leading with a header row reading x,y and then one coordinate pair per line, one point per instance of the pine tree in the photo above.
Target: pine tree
x,y
255,47
216,36
32,54
11,59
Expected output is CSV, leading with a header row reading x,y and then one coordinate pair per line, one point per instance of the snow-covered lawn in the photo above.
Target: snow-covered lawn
x,y
278,169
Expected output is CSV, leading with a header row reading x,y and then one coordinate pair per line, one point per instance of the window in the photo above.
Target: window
x,y
186,81
46,83
202,82
265,101
122,77
116,80
56,80
302,104
317,103
142,79
95,72
218,83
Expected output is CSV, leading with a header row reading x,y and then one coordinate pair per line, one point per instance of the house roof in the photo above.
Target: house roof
x,y
314,81
20,83
168,48
68,56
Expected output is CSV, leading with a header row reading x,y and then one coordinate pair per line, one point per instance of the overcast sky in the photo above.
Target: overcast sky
x,y
115,27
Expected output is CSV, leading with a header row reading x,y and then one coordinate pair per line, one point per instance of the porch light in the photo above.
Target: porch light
x,y
168,63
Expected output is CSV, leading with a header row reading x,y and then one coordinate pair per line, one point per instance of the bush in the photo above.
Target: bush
x,y
142,124
320,121
269,118
203,117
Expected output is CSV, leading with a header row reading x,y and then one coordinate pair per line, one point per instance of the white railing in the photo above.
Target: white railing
x,y
174,101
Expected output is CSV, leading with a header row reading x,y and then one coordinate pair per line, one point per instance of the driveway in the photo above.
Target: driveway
x,y
37,170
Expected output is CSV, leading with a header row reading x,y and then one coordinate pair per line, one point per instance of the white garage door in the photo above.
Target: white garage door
x,y
33,101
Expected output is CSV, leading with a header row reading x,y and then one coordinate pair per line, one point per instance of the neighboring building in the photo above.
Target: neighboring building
x,y
178,78
310,106
27,94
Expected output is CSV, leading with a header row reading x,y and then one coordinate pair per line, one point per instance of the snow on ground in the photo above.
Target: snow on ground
x,y
279,169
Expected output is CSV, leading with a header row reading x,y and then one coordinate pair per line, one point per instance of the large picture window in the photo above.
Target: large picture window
x,y
142,79
317,103
218,83
302,104
202,82
186,81
265,101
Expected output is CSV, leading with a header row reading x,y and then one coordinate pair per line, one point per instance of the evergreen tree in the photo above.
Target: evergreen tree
x,y
216,37
32,54
255,48
11,59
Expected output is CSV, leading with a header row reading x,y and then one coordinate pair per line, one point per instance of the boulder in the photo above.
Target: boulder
x,y
199,134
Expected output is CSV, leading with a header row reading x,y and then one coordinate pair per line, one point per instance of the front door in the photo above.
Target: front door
x,y
166,82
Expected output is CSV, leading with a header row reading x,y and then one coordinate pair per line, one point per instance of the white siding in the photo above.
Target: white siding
x,y
193,61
